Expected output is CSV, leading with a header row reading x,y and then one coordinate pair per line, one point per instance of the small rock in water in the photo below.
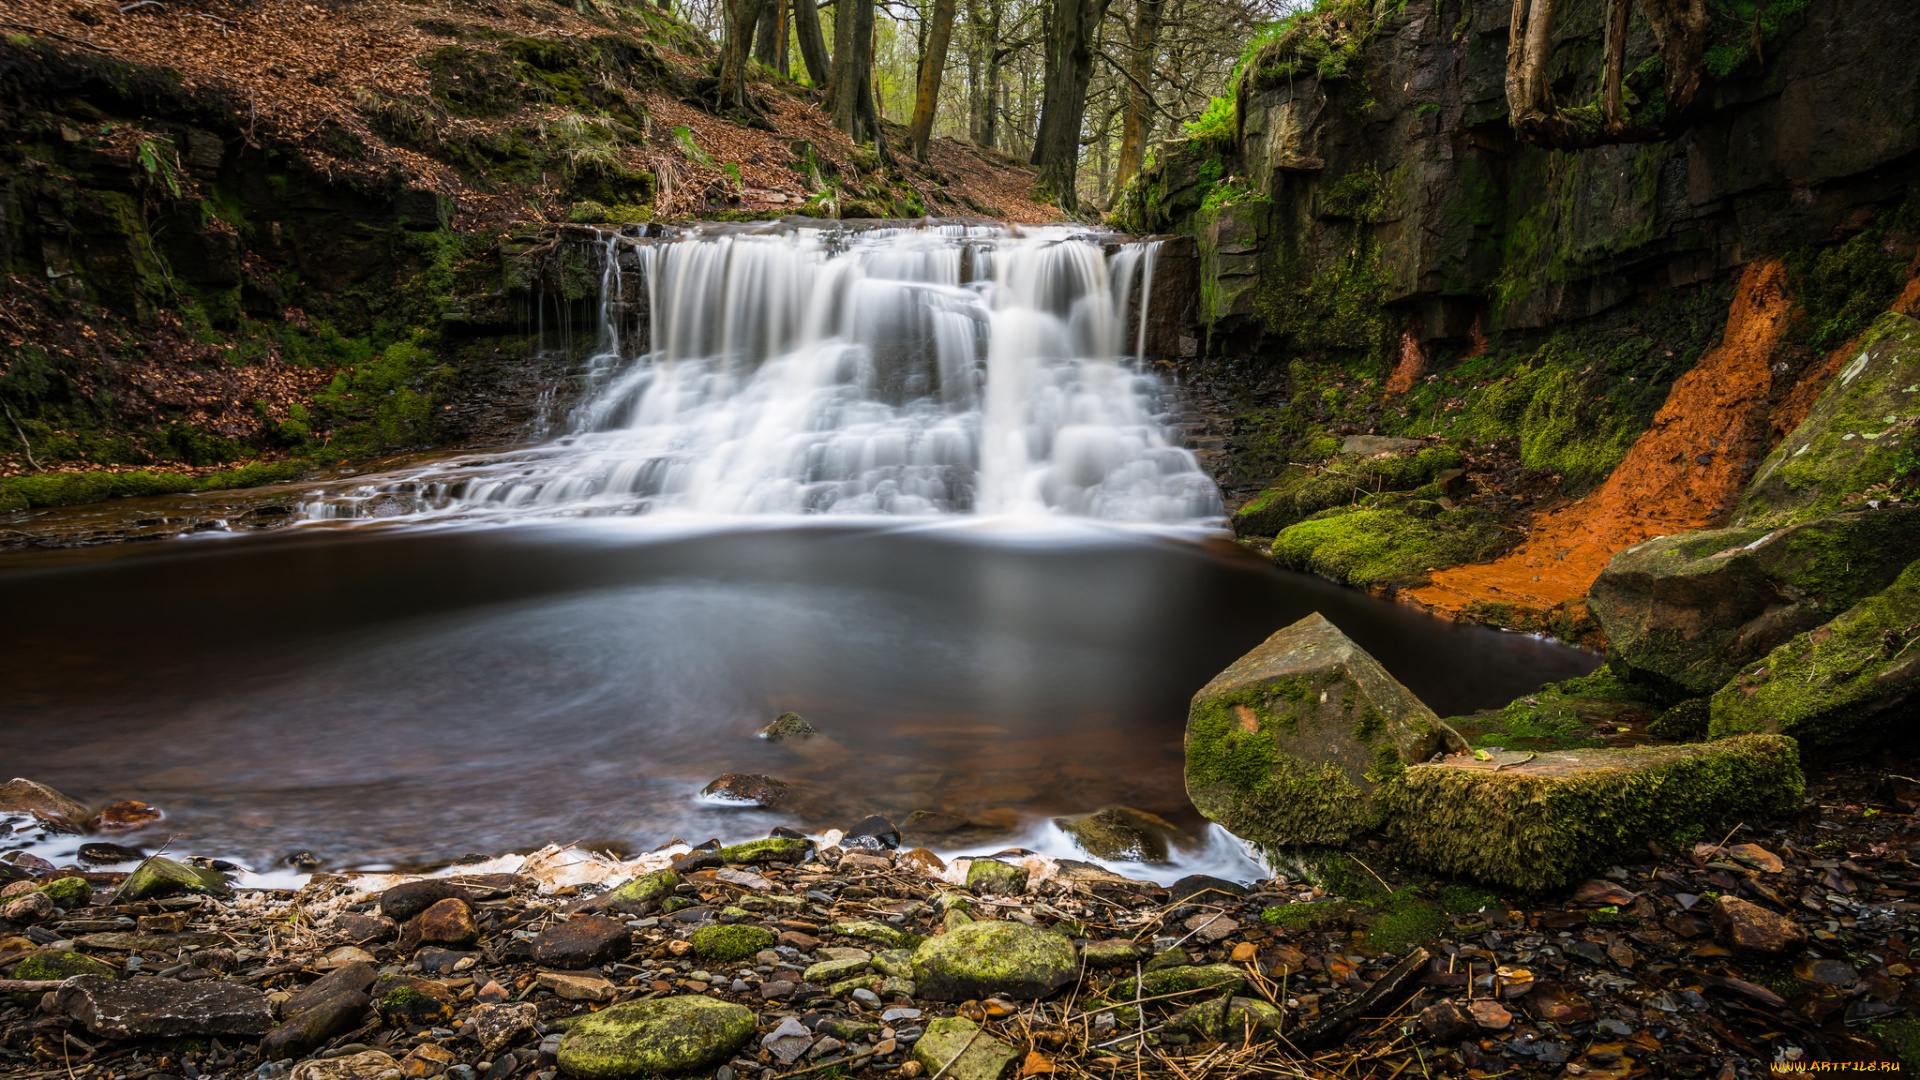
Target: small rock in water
x,y
303,860
873,832
748,789
130,814
109,853
788,725
934,822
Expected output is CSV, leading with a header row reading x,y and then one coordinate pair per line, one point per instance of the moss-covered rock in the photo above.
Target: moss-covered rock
x,y
982,959
1686,613
645,888
1531,822
726,944
49,964
67,892
956,1047
1842,688
778,849
160,876
1860,433
663,1037
1121,832
991,877
1302,491
1228,1019
1173,980
1291,744
403,1001
1565,715
1384,547
788,725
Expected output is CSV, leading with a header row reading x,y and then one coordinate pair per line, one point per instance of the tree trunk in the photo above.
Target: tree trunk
x,y
852,95
766,36
1056,149
813,44
927,94
1682,28
1529,40
1612,105
1139,118
742,16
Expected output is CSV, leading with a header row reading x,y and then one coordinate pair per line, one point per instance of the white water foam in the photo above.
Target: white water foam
x,y
931,370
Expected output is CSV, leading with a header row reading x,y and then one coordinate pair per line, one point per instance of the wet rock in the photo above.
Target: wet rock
x,y
404,1001
150,1008
1208,889
990,877
934,823
773,850
1229,1019
583,941
366,1065
1123,833
1446,1022
1291,744
785,727
497,1026
1689,612
130,814
336,1003
788,1040
32,908
448,922
1170,980
1540,821
577,985
351,977
961,1048
363,929
1490,1015
109,853
159,877
873,833
51,964
662,1037
404,901
1841,689
1752,929
748,789
643,889
982,959
23,796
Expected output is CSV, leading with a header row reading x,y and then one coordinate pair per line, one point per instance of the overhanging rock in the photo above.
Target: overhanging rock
x,y
1292,743
1542,821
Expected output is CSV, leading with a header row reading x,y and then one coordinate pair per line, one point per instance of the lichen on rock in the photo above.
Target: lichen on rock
x,y
981,959
662,1037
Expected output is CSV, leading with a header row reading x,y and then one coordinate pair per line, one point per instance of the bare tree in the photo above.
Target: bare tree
x,y
1681,27
932,63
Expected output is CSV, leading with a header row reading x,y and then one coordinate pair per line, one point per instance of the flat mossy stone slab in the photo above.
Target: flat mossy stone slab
x,y
1686,613
956,1047
982,959
1841,689
663,1037
1290,746
1543,821
1851,439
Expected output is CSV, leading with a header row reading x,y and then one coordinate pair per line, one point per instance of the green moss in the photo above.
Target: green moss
x,y
1404,920
1381,548
1566,715
1842,288
726,944
644,888
1685,722
1345,481
773,849
1302,917
49,965
67,489
67,892
1900,1038
1466,900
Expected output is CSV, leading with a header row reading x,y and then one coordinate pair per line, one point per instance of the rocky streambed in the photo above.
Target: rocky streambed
x,y
843,955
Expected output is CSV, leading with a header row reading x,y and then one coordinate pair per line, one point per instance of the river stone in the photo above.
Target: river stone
x,y
958,1046
1112,953
1686,613
499,1025
1839,689
404,901
1228,1019
1543,821
827,971
748,789
358,977
158,877
22,796
1850,440
788,725
67,892
1123,833
1291,743
319,1018
366,1065
154,1008
982,959
643,889
582,942
990,877
448,922
777,849
49,964
404,1001
661,1037
32,907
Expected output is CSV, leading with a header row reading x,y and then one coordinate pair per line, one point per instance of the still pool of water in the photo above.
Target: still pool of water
x,y
406,697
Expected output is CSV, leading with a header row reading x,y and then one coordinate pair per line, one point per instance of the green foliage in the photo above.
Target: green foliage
x,y
1326,38
383,403
1370,548
156,154
1466,900
1844,288
1738,23
1301,492
1404,920
1219,124
71,488
1360,195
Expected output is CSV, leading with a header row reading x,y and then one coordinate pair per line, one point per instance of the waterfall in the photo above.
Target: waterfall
x,y
932,369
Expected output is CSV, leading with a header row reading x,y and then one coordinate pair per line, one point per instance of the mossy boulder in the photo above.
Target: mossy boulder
x,y
1385,547
726,944
1228,1019
956,1047
1292,743
778,849
1304,490
403,1001
991,877
1567,715
50,964
643,889
981,959
1842,688
1542,821
1686,613
67,892
788,725
158,877
1859,433
1123,833
1173,980
662,1037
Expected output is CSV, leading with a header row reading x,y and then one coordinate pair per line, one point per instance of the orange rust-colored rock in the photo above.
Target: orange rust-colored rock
x,y
1412,364
1685,473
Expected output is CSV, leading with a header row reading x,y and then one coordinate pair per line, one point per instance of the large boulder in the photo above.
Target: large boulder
x,y
22,796
981,959
1854,437
1291,744
1686,613
1541,821
662,1037
1843,688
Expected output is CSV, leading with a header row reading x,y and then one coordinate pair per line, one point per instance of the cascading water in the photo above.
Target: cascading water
x,y
939,369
